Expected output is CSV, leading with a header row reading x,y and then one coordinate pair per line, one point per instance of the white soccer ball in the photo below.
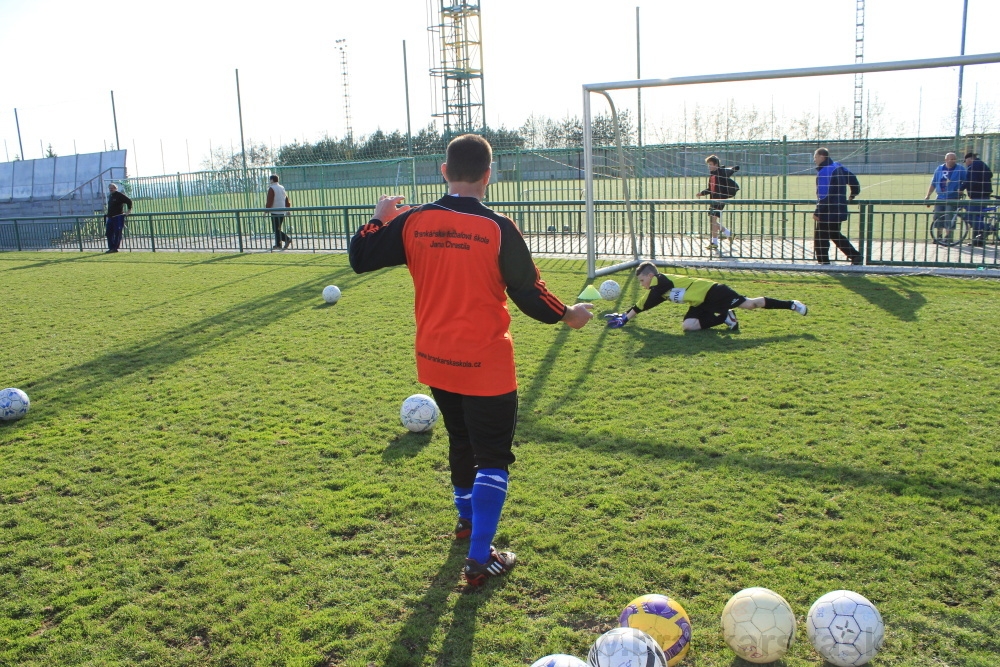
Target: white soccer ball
x,y
626,647
14,404
331,294
758,624
559,660
419,413
845,628
609,290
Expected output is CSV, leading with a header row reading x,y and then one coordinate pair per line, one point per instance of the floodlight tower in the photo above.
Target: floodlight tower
x,y
459,66
859,79
342,47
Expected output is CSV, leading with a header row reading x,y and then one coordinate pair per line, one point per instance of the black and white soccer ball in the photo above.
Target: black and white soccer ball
x,y
419,413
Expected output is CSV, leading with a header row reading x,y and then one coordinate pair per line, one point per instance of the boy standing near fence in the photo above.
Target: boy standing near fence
x,y
720,186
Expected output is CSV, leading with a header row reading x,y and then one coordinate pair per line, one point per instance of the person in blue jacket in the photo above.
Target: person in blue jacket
x,y
832,181
947,182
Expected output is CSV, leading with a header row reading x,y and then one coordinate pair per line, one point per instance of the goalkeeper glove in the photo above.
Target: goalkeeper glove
x,y
616,320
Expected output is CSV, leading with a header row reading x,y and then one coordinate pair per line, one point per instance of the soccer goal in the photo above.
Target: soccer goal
x,y
641,199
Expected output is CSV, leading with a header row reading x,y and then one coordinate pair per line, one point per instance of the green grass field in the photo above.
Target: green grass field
x,y
213,471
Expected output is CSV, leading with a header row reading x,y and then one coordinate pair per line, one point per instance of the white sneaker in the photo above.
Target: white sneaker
x,y
799,307
731,321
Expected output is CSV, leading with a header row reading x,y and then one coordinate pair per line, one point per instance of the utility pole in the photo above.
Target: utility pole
x,y
114,115
18,123
961,73
859,79
342,47
243,147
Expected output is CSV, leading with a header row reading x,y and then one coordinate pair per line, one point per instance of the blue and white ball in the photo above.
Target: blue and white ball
x,y
609,290
14,404
419,413
626,647
845,628
559,660
331,294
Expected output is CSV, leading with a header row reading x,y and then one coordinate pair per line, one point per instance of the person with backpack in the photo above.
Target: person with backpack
x,y
720,186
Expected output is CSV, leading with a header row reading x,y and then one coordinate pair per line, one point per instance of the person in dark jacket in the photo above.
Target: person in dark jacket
x,y
832,181
114,220
720,186
978,185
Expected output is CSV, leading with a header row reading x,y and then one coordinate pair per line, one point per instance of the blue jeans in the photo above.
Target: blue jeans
x,y
114,230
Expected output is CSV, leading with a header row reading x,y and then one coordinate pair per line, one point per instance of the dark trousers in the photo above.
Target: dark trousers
x,y
279,236
480,432
114,230
830,231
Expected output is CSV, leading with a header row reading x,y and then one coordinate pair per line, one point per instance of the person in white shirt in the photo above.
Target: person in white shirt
x,y
279,203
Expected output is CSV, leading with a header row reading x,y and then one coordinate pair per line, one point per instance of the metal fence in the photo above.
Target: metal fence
x,y
773,232
772,169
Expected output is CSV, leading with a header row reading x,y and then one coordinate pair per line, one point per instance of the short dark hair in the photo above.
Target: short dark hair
x,y
714,159
274,178
974,156
468,158
822,151
646,267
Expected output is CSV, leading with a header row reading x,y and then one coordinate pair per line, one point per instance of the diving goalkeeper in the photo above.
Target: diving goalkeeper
x,y
709,303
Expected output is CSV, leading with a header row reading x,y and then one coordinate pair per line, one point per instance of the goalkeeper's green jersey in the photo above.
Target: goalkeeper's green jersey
x,y
677,289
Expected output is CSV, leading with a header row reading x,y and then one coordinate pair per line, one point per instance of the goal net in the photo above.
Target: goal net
x,y
642,187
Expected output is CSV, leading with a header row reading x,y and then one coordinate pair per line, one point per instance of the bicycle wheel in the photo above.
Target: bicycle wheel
x,y
947,232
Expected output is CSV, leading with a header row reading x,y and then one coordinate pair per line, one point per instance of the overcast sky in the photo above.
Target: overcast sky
x,y
172,65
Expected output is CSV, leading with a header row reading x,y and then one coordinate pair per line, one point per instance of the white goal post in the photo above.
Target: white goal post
x,y
603,88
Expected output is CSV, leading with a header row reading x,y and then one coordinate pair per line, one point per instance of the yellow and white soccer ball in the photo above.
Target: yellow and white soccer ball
x,y
663,619
758,624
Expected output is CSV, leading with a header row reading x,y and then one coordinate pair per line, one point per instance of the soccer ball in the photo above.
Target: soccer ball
x,y
663,619
559,660
331,294
845,628
609,290
758,624
419,413
14,404
625,647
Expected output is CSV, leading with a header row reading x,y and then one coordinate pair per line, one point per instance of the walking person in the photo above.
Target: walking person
x,y
114,219
709,303
978,186
720,186
465,261
947,182
832,181
279,203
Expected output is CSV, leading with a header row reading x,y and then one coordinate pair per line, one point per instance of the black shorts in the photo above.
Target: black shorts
x,y
480,432
715,209
719,299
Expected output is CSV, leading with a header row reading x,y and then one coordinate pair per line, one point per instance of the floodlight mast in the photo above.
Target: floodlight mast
x,y
857,68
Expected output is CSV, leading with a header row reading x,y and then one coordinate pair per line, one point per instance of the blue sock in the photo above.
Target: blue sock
x,y
463,502
488,495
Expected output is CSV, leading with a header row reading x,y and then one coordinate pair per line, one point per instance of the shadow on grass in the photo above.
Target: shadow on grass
x,y
656,343
75,385
410,645
50,262
928,486
406,446
898,299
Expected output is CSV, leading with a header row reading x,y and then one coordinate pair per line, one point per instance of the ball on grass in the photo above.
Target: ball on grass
x,y
331,294
14,404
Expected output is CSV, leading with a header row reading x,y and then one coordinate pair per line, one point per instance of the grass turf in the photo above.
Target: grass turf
x,y
213,472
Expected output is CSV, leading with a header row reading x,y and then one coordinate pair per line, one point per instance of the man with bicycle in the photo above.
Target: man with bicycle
x,y
978,185
947,182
